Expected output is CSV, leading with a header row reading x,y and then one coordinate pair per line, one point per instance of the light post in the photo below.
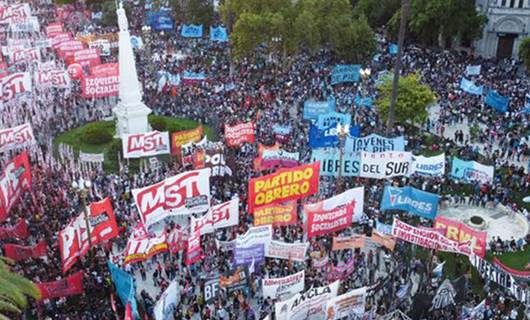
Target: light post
x,y
82,188
365,74
343,131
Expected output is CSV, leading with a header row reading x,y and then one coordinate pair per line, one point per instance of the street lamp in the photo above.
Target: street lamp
x,y
82,187
365,74
343,131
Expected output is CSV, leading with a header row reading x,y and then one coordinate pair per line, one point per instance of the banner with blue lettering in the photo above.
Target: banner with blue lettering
x,y
125,287
218,34
191,31
330,162
470,171
374,143
313,108
470,87
366,101
328,137
497,101
393,48
159,20
332,118
345,73
428,166
412,200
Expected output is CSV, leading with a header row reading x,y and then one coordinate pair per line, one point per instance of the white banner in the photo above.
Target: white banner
x,y
255,235
285,287
167,303
428,166
52,78
91,157
16,137
287,251
14,84
346,305
145,144
25,55
355,195
309,305
183,194
383,165
31,24
220,216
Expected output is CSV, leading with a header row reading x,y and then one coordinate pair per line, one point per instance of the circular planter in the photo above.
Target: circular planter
x,y
477,222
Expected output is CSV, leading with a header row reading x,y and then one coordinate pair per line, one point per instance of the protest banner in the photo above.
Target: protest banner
x,y
180,138
348,243
141,246
125,286
15,179
384,165
73,239
238,134
105,70
18,231
14,84
191,78
350,304
276,214
383,228
220,216
145,144
321,222
176,239
69,286
463,234
428,166
13,13
469,171
211,289
511,271
287,251
54,29
191,30
412,200
254,254
333,118
309,305
66,49
25,55
275,157
159,20
282,133
254,236
225,246
91,157
354,196
16,137
345,73
280,288
313,108
87,57
497,101
374,143
214,159
383,240
21,253
233,281
52,78
473,70
319,263
194,249
182,194
167,303
283,185
103,82
218,34
470,87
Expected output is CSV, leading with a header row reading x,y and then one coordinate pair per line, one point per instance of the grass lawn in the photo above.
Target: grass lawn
x,y
110,149
515,260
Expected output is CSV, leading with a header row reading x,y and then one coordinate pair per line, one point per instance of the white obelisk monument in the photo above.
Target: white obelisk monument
x,y
130,112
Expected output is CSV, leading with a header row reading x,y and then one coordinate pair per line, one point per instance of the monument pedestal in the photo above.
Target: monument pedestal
x,y
131,119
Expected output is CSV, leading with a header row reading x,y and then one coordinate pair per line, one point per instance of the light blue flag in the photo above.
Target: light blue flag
x,y
497,101
218,34
393,48
313,108
345,73
367,101
412,200
125,287
470,171
326,120
374,143
470,87
191,31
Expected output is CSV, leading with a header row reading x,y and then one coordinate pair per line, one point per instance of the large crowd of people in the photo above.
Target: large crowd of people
x,y
270,91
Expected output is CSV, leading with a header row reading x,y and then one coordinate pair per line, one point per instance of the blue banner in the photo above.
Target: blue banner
x,y
125,287
374,143
191,31
332,118
330,162
313,108
497,101
345,73
328,137
248,255
393,48
196,76
470,171
366,101
470,87
282,130
159,20
218,34
412,200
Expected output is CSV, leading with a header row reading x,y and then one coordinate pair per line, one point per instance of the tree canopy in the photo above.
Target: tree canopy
x,y
14,292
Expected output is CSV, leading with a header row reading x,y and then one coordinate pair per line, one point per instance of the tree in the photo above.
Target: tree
x,y
14,292
199,12
355,42
524,52
412,99
378,13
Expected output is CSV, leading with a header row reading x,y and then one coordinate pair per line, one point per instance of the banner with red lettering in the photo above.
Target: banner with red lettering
x,y
220,216
25,55
52,78
145,144
238,134
177,239
59,38
183,194
101,86
181,138
67,48
13,84
18,231
194,250
463,234
73,239
4,71
283,185
277,214
69,286
15,13
325,221
20,253
142,246
16,137
15,179
105,70
354,196
348,243
54,29
87,57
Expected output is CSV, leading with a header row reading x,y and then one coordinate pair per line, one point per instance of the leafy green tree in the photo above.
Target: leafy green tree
x,y
355,42
378,13
412,99
199,12
524,52
14,292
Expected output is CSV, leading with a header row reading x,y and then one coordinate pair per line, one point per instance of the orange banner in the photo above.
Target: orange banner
x,y
277,214
180,138
381,239
282,185
347,243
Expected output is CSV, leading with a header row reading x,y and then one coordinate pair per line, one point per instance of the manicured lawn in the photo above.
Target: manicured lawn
x,y
516,260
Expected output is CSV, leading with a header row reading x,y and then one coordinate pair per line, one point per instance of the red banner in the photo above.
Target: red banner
x,y
323,222
20,253
141,246
60,38
68,47
105,70
283,185
73,240
18,231
463,234
15,179
16,137
180,138
194,250
236,135
87,57
14,84
68,286
54,29
513,272
99,87
277,214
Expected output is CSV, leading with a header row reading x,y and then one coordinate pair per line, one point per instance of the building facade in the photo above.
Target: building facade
x,y
508,24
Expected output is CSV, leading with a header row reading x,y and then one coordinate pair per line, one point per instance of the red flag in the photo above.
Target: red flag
x,y
68,286
19,253
15,179
128,312
20,231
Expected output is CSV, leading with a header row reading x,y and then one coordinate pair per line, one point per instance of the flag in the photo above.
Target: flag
x,y
438,271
